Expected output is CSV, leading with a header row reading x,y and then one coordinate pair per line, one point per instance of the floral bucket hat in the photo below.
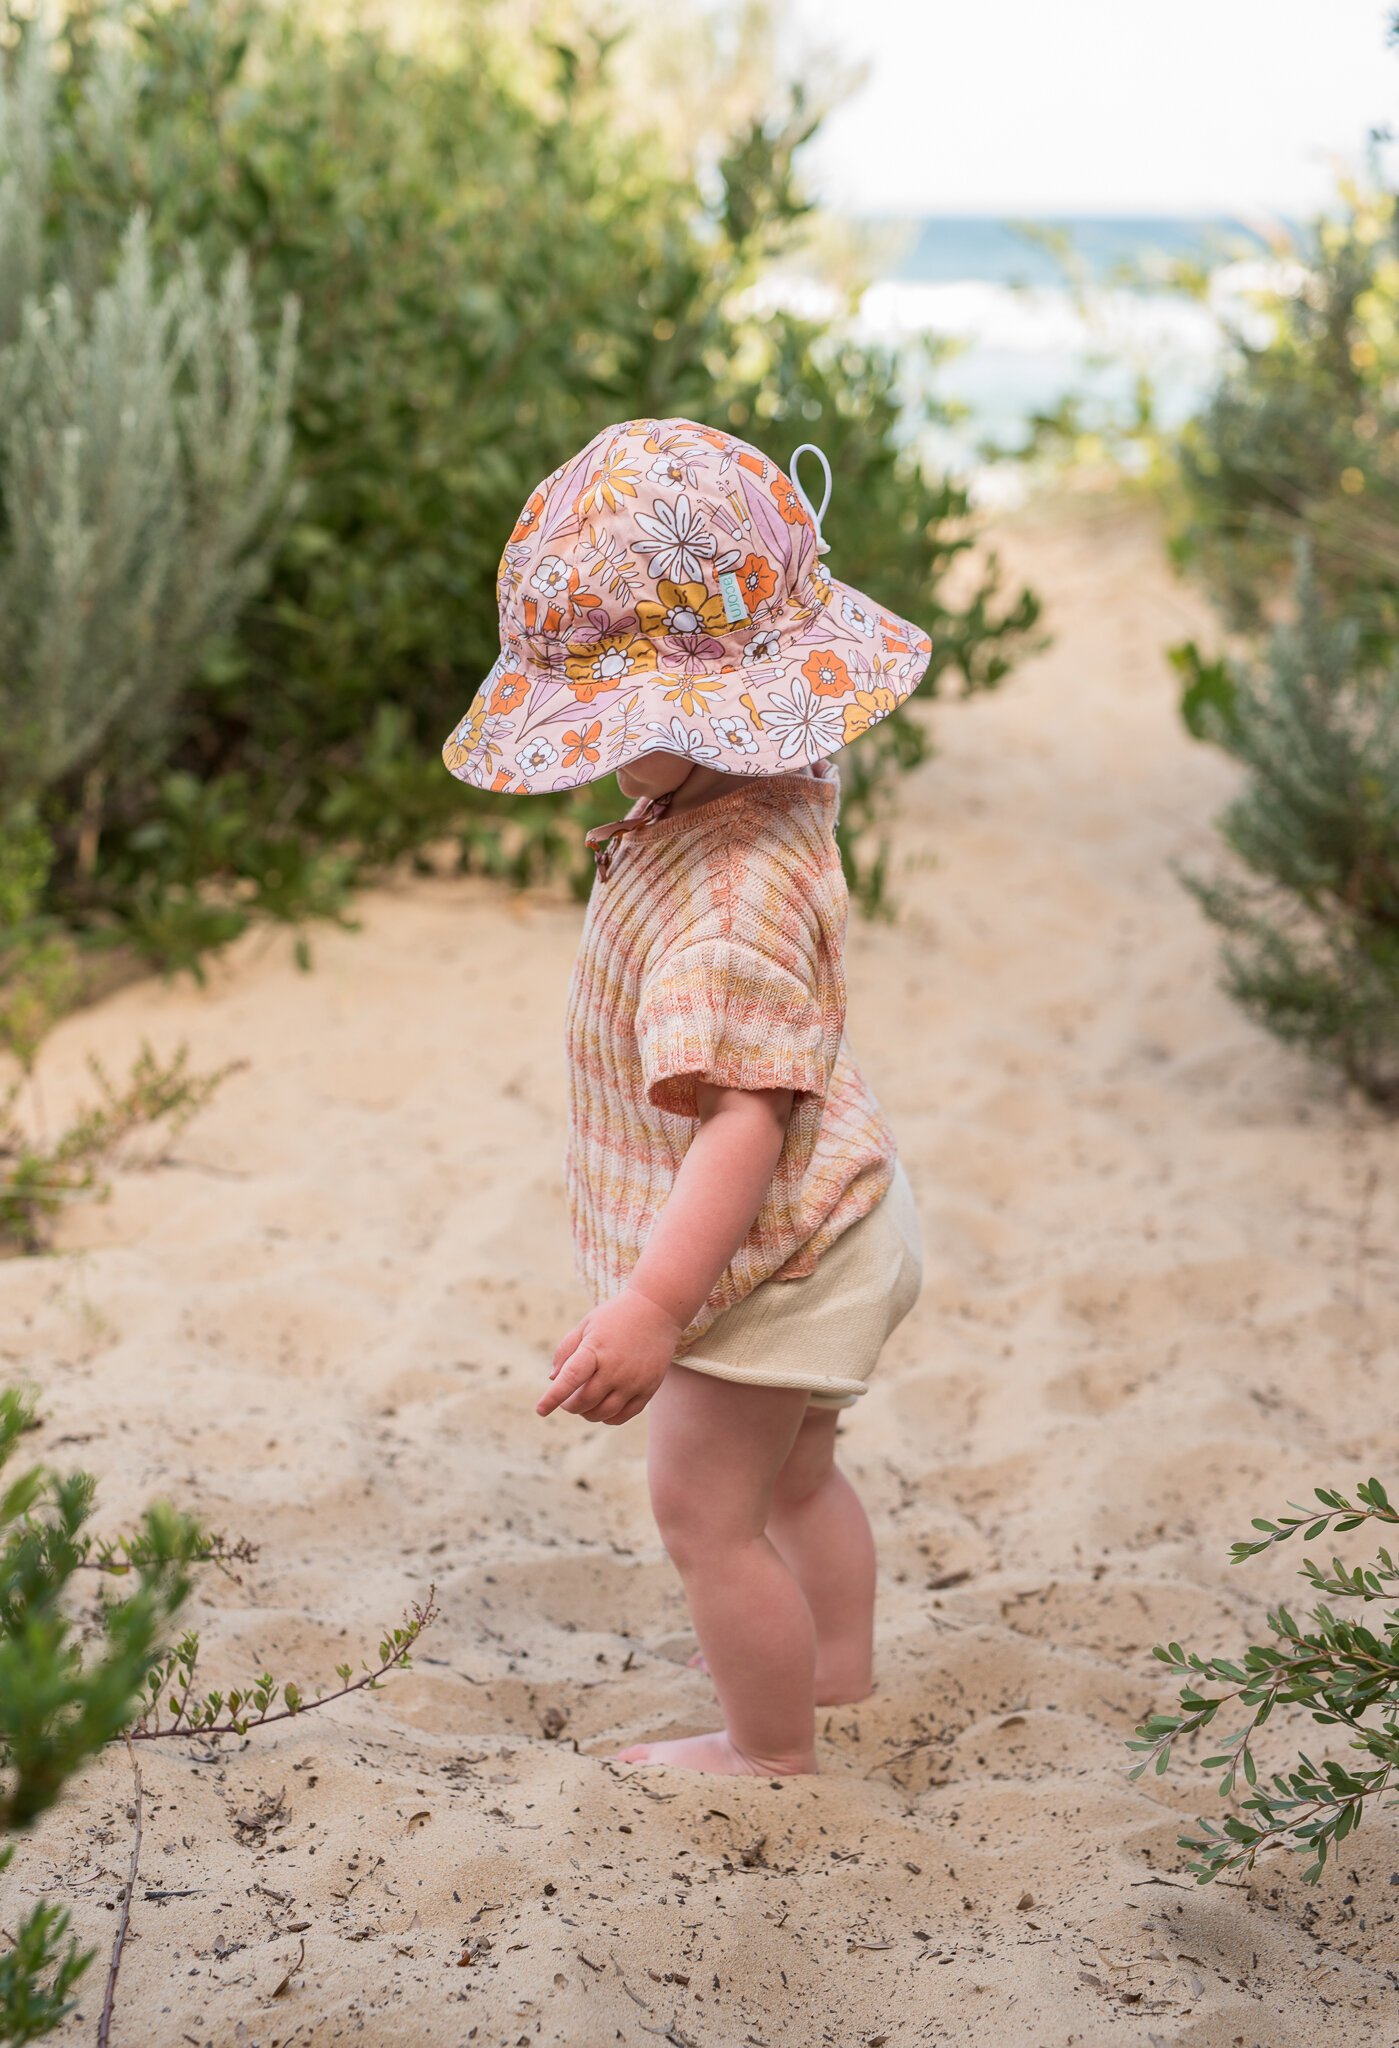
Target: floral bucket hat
x,y
664,590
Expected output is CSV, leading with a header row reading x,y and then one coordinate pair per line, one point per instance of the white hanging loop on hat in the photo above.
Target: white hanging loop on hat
x,y
823,547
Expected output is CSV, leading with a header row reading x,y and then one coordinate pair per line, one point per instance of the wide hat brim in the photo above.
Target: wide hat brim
x,y
833,671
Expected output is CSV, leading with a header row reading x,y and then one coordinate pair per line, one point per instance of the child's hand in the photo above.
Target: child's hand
x,y
609,1365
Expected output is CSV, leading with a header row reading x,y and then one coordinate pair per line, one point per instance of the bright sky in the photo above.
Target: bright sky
x,y
1098,106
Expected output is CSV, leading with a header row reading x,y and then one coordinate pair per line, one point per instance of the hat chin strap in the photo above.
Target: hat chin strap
x,y
823,547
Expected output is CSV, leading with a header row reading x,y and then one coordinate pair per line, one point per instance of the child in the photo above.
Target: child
x,y
738,1208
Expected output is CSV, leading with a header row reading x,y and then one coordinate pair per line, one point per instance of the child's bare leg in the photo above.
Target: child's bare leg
x,y
818,1526
714,1452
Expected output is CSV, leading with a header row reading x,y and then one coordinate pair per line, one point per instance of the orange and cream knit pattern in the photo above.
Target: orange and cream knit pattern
x,y
715,951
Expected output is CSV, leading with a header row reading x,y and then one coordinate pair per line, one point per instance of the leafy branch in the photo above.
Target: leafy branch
x,y
38,1177
120,1555
173,1708
1336,1669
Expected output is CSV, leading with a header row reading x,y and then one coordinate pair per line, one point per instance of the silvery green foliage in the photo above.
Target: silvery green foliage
x,y
26,114
144,446
1310,905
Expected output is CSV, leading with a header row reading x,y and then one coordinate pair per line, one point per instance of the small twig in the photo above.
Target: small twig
x,y
423,1617
115,1558
104,2024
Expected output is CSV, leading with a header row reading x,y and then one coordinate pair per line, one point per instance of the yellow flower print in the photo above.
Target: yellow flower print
x,y
467,737
606,663
607,485
693,697
869,707
684,610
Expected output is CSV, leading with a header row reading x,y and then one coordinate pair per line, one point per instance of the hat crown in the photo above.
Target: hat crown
x,y
663,542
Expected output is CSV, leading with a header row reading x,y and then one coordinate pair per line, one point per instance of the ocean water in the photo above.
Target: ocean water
x,y
1040,310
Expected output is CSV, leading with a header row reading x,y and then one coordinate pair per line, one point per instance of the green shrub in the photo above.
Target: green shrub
x,y
1342,1671
1301,437
1297,458
58,1707
493,259
1311,908
67,1689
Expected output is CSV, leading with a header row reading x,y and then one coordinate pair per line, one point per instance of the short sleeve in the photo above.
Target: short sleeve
x,y
723,1013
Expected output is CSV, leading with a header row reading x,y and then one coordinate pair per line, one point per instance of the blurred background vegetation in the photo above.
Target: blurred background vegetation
x,y
297,304
294,312
1283,496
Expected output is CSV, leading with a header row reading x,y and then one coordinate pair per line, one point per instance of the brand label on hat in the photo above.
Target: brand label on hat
x,y
735,610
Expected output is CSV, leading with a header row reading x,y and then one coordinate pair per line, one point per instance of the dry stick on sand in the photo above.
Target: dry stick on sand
x,y
104,2024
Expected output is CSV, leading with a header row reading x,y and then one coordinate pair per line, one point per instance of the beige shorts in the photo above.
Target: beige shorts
x,y
826,1331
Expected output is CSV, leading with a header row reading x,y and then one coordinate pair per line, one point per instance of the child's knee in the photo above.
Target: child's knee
x,y
693,1518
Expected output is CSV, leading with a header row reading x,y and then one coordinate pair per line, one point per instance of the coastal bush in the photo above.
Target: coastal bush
x,y
1341,1670
1296,461
68,1690
494,257
1301,436
1310,905
144,455
59,1705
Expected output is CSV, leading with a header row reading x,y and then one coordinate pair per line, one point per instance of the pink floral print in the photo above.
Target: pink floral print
x,y
662,590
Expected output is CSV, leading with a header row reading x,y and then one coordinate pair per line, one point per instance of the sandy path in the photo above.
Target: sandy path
x,y
1160,1300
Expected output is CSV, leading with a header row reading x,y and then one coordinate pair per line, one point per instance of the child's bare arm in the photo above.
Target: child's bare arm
x,y
608,1366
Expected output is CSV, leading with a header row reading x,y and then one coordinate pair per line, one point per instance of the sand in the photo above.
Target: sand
x,y
1160,1300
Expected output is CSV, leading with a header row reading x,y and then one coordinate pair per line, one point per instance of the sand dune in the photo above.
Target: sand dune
x,y
1161,1298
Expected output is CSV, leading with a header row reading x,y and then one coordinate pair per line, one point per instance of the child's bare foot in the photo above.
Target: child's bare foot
x,y
715,1753
832,1693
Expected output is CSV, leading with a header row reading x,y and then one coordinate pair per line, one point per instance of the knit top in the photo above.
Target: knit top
x,y
714,951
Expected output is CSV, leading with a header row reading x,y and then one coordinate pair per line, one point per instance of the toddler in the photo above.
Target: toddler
x,y
738,1208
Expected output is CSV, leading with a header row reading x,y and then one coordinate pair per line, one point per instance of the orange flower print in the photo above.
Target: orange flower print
x,y
612,481
788,503
509,693
582,746
529,518
757,579
827,673
502,779
684,610
606,663
869,707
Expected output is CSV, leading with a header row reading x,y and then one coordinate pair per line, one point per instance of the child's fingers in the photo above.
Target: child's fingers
x,y
633,1407
589,1397
608,1409
569,1382
566,1347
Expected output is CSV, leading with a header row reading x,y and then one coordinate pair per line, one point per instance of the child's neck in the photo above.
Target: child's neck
x,y
703,784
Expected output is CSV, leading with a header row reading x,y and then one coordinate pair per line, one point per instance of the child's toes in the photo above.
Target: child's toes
x,y
696,1663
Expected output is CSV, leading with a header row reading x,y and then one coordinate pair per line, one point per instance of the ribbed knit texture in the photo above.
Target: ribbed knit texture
x,y
715,952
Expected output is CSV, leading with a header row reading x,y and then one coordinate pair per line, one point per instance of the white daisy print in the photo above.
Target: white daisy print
x,y
805,724
674,469
676,541
537,756
682,739
762,647
550,579
734,732
857,616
